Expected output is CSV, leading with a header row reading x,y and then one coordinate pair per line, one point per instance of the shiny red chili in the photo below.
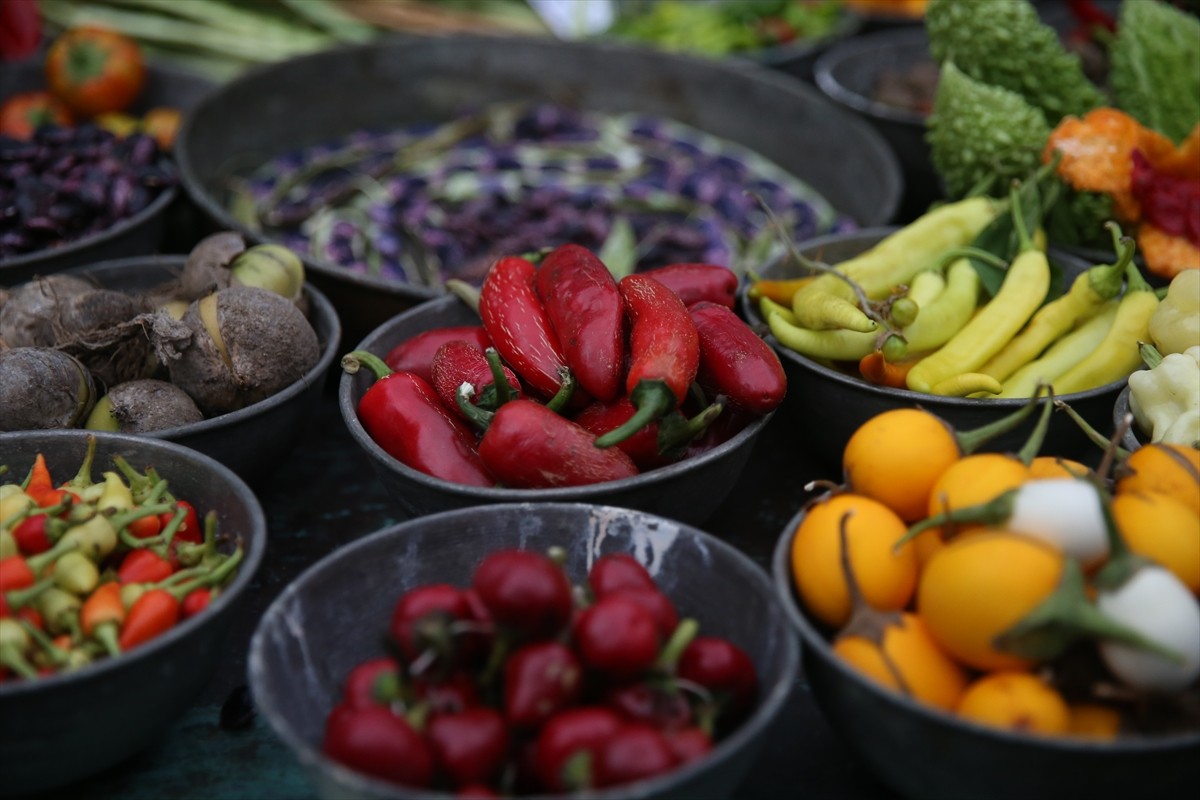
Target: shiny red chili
x,y
587,314
735,362
695,283
190,530
721,667
664,352
617,636
540,679
31,535
655,445
567,735
194,602
459,362
524,591
518,325
637,751
374,682
144,566
689,744
373,740
415,354
528,446
662,706
616,571
469,747
403,415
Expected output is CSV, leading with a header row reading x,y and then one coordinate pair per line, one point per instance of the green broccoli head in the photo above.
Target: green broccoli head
x,y
981,135
1155,73
1005,44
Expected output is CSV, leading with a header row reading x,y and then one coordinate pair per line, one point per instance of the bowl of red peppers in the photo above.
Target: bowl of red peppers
x,y
122,561
537,648
560,382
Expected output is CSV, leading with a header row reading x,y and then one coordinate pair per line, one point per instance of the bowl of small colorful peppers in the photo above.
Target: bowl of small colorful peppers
x,y
526,649
123,561
936,314
559,382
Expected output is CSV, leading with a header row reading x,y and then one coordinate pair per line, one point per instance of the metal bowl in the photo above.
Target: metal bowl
x,y
921,752
325,95
688,490
296,670
137,235
252,441
63,728
1133,438
825,405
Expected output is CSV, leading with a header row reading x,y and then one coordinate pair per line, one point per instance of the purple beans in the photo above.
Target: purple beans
x,y
69,182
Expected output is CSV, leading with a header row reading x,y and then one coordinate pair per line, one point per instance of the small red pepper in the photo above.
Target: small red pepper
x,y
518,325
415,354
695,283
374,682
469,747
20,29
195,601
375,741
189,530
635,752
30,535
735,363
459,362
154,613
876,369
566,736
144,566
403,415
528,446
665,353
540,679
657,444
587,314
39,486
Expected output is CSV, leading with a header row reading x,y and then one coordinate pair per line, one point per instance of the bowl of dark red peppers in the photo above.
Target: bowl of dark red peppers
x,y
526,649
559,381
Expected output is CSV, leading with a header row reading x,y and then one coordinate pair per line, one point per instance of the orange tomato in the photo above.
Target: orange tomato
x,y
95,70
23,113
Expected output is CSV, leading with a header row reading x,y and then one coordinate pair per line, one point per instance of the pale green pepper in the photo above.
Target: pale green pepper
x,y
1165,399
1175,325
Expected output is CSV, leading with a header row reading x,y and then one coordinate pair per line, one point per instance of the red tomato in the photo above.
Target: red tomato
x,y
22,113
95,70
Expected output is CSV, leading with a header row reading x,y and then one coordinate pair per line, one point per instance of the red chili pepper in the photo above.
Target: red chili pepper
x,y
154,613
695,283
587,315
402,413
616,571
416,353
617,637
665,353
637,751
524,591
20,29
689,744
651,702
447,695
666,617
32,616
31,536
39,486
149,527
721,667
876,369
735,362
191,530
378,742
374,682
540,679
469,747
657,444
528,446
459,362
422,619
518,325
567,735
144,566
195,601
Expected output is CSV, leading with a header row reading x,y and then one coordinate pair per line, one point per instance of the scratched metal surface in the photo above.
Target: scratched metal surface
x,y
325,495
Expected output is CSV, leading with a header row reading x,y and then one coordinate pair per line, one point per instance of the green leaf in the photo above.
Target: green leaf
x,y
619,251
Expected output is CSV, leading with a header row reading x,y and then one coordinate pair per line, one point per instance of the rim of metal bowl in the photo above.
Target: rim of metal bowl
x,y
318,302
813,639
903,395
493,493
768,708
827,64
254,541
1132,439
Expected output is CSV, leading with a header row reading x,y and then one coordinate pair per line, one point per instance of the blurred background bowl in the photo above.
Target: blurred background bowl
x,y
327,95
168,219
252,441
923,753
688,490
825,405
889,78
345,601
63,728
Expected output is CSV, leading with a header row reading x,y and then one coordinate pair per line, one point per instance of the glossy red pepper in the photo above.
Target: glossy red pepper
x,y
422,620
459,362
469,747
616,571
194,602
652,702
666,617
617,637
528,446
664,350
587,314
374,682
144,566
524,591
518,325
20,29
403,415
451,694
540,679
637,751
721,667
735,363
695,283
380,743
567,735
415,354
31,536
190,530
657,444
689,744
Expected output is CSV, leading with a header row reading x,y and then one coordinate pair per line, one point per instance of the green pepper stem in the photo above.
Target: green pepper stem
x,y
1150,355
352,362
972,440
504,390
1106,279
1018,217
479,417
1037,437
213,578
12,658
56,654
566,388
19,598
681,637
106,634
676,431
653,399
63,546
465,292
993,511
83,478
1097,438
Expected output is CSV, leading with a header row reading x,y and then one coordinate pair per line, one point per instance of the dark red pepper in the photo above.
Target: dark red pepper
x,y
518,325
423,618
468,747
587,314
735,363
403,415
637,751
657,444
194,602
20,29
451,694
657,603
616,571
415,354
459,362
540,679
31,535
695,283
377,742
528,446
689,744
524,591
665,353
617,636
721,667
144,566
190,530
374,682
664,707
568,742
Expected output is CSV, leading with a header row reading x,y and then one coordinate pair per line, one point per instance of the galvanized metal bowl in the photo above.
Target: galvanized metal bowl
x,y
825,405
688,490
927,754
330,619
63,728
326,95
252,441
1133,437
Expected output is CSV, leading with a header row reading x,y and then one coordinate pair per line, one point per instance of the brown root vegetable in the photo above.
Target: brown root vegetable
x,y
207,267
31,311
143,406
235,347
98,328
42,388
